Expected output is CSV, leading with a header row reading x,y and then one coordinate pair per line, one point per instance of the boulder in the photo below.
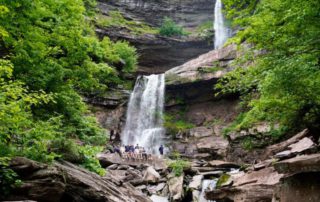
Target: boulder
x,y
151,175
299,164
64,181
176,187
276,148
251,186
303,145
195,184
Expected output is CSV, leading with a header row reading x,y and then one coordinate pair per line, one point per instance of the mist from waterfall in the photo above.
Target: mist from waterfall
x,y
221,32
144,124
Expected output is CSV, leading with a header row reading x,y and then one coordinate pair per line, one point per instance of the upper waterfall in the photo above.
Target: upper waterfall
x,y
221,32
145,113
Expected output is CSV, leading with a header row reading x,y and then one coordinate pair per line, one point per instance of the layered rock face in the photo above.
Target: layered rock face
x,y
190,91
188,13
64,181
157,53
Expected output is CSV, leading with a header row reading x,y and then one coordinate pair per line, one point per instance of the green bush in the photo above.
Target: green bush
x,y
174,126
170,28
178,165
285,79
8,178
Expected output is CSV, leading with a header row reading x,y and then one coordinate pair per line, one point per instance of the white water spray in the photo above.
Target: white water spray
x,y
221,32
144,124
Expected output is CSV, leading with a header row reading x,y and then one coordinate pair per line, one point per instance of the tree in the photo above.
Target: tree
x,y
280,85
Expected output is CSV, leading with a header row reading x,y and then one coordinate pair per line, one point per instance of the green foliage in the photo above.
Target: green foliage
x,y
205,30
280,85
116,19
51,56
223,179
178,165
8,178
174,126
90,161
170,28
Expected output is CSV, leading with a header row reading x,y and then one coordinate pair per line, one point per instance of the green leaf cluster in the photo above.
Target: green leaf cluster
x,y
175,126
170,28
49,56
178,164
281,84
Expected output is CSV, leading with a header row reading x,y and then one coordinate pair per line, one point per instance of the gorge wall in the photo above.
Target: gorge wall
x,y
158,53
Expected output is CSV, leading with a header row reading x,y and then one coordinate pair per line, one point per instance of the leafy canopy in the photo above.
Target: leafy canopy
x,y
49,56
282,84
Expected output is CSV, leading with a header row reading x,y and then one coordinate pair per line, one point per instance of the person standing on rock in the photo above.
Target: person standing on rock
x,y
161,150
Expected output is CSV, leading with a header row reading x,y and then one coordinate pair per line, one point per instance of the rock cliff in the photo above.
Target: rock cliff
x,y
158,53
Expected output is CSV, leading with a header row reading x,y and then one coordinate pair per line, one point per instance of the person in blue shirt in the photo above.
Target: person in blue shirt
x,y
161,148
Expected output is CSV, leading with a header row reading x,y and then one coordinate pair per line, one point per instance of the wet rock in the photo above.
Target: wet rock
x,y
212,173
284,154
176,187
195,195
196,182
251,186
156,198
151,175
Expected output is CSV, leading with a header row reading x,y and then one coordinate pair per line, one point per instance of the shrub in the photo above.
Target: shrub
x,y
8,178
170,28
178,165
175,126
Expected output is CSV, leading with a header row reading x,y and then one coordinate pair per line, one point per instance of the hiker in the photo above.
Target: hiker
x,y
117,150
137,152
126,147
161,150
123,151
144,154
131,151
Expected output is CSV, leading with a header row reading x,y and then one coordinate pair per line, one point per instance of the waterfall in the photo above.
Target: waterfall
x,y
221,32
145,114
207,185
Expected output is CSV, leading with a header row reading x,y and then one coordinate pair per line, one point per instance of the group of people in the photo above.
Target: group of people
x,y
134,152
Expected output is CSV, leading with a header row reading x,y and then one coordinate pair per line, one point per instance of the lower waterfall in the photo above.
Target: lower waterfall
x,y
144,123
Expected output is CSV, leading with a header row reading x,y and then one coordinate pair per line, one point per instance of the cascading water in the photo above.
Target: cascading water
x,y
145,114
221,32
207,185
